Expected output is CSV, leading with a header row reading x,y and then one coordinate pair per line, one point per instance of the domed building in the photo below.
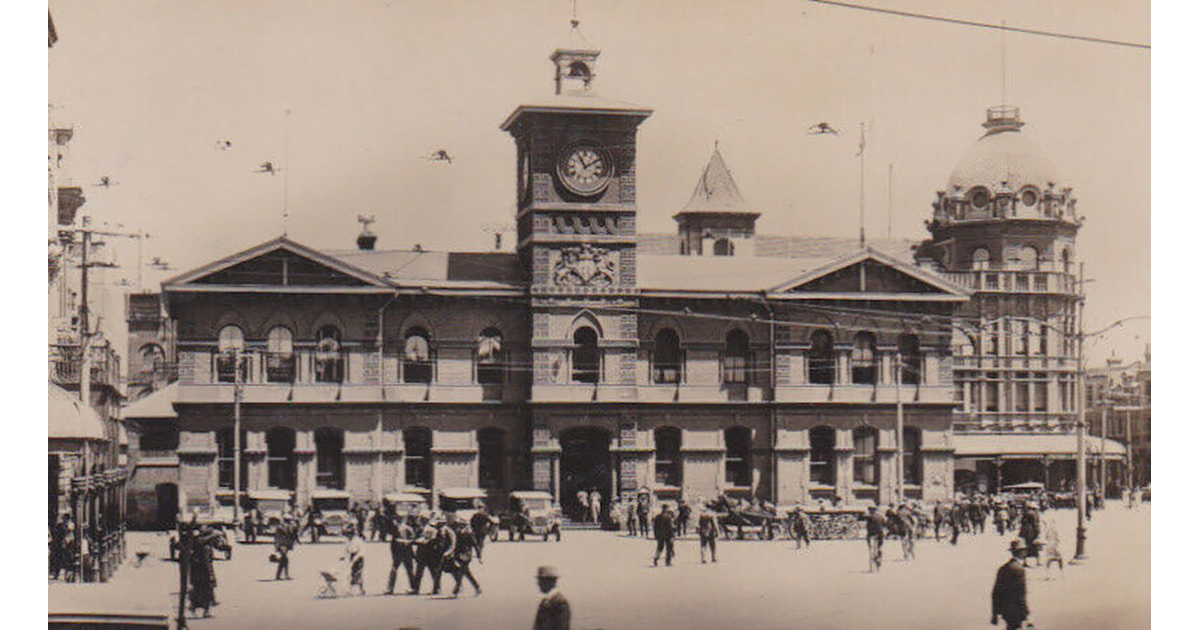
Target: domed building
x,y
1005,228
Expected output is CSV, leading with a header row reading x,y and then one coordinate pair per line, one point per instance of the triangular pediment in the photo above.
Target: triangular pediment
x,y
279,263
869,272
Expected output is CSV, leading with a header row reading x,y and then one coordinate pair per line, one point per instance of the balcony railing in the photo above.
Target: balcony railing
x,y
1016,281
66,363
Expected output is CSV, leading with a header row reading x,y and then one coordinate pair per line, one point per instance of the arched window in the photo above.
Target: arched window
x,y
329,361
863,361
723,247
668,466
737,457
225,459
491,458
331,463
585,356
736,359
981,259
979,198
281,458
1066,260
281,359
910,359
1024,258
418,463
489,362
153,362
666,362
230,342
912,456
821,470
418,356
866,445
579,69
821,362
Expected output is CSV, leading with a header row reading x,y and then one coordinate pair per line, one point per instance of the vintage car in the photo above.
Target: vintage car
x,y
534,513
461,502
273,504
409,503
333,511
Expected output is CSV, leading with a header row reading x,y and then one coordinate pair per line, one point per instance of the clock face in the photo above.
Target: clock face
x,y
584,169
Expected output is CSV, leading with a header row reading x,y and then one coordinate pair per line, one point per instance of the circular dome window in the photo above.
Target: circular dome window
x,y
1029,197
979,198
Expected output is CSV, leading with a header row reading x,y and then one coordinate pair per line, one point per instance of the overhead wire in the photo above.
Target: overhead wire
x,y
977,24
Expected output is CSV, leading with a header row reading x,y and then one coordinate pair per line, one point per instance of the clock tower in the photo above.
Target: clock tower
x,y
577,242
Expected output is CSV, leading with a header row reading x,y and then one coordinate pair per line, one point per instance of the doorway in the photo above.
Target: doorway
x,y
586,467
166,505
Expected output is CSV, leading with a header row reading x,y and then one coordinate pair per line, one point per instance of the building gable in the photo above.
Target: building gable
x,y
869,272
279,263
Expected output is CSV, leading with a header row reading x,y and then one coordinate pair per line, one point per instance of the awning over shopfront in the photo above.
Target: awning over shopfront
x,y
1032,446
159,405
70,419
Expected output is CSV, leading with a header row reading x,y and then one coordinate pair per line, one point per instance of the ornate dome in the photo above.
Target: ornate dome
x,y
1003,154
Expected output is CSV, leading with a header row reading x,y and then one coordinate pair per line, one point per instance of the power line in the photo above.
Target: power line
x,y
999,27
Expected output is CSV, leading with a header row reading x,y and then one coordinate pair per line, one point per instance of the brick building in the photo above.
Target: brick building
x,y
715,360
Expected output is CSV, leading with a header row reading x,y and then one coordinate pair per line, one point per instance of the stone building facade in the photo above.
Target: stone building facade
x,y
592,358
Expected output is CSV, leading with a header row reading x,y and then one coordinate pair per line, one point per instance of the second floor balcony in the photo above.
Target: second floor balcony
x,y
66,365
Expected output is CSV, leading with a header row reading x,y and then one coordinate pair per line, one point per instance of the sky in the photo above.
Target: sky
x,y
348,98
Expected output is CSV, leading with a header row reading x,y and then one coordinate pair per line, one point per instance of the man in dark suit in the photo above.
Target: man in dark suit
x,y
707,528
1008,594
402,554
554,613
664,535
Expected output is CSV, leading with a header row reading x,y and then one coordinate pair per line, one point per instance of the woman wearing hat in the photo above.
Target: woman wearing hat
x,y
353,557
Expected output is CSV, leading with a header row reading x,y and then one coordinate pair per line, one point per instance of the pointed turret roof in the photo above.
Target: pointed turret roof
x,y
716,192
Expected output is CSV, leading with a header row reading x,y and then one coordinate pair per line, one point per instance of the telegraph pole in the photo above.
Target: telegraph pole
x,y
899,429
237,434
1080,430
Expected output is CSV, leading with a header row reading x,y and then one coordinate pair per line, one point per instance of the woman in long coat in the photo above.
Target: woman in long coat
x,y
201,574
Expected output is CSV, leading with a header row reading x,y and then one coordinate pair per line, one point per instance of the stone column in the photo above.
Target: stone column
x,y
844,461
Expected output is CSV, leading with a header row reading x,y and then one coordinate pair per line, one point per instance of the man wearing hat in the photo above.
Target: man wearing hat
x,y
664,534
1008,594
876,530
284,540
707,528
554,613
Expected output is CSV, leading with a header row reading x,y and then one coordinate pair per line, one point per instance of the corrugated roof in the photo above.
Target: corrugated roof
x,y
1005,156
157,405
719,273
716,192
402,266
70,419
770,246
1031,444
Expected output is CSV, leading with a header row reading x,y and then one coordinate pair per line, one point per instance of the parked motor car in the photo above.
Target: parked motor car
x,y
333,510
273,504
532,512
408,503
461,502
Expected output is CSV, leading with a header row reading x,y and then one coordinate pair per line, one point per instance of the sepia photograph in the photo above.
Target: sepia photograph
x,y
702,314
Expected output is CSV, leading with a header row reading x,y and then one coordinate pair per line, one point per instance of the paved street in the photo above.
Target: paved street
x,y
611,584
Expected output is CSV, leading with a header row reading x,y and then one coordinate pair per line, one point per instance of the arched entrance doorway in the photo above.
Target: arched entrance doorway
x,y
167,497
586,466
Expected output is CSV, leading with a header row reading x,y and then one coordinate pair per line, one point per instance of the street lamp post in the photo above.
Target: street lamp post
x,y
899,431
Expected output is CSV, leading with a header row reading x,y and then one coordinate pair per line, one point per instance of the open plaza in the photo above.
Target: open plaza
x,y
611,583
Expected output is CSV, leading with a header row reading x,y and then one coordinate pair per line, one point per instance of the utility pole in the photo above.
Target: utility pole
x,y
862,185
237,434
1103,462
1080,429
899,429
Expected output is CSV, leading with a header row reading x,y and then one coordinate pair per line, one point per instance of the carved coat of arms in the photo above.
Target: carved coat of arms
x,y
585,266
